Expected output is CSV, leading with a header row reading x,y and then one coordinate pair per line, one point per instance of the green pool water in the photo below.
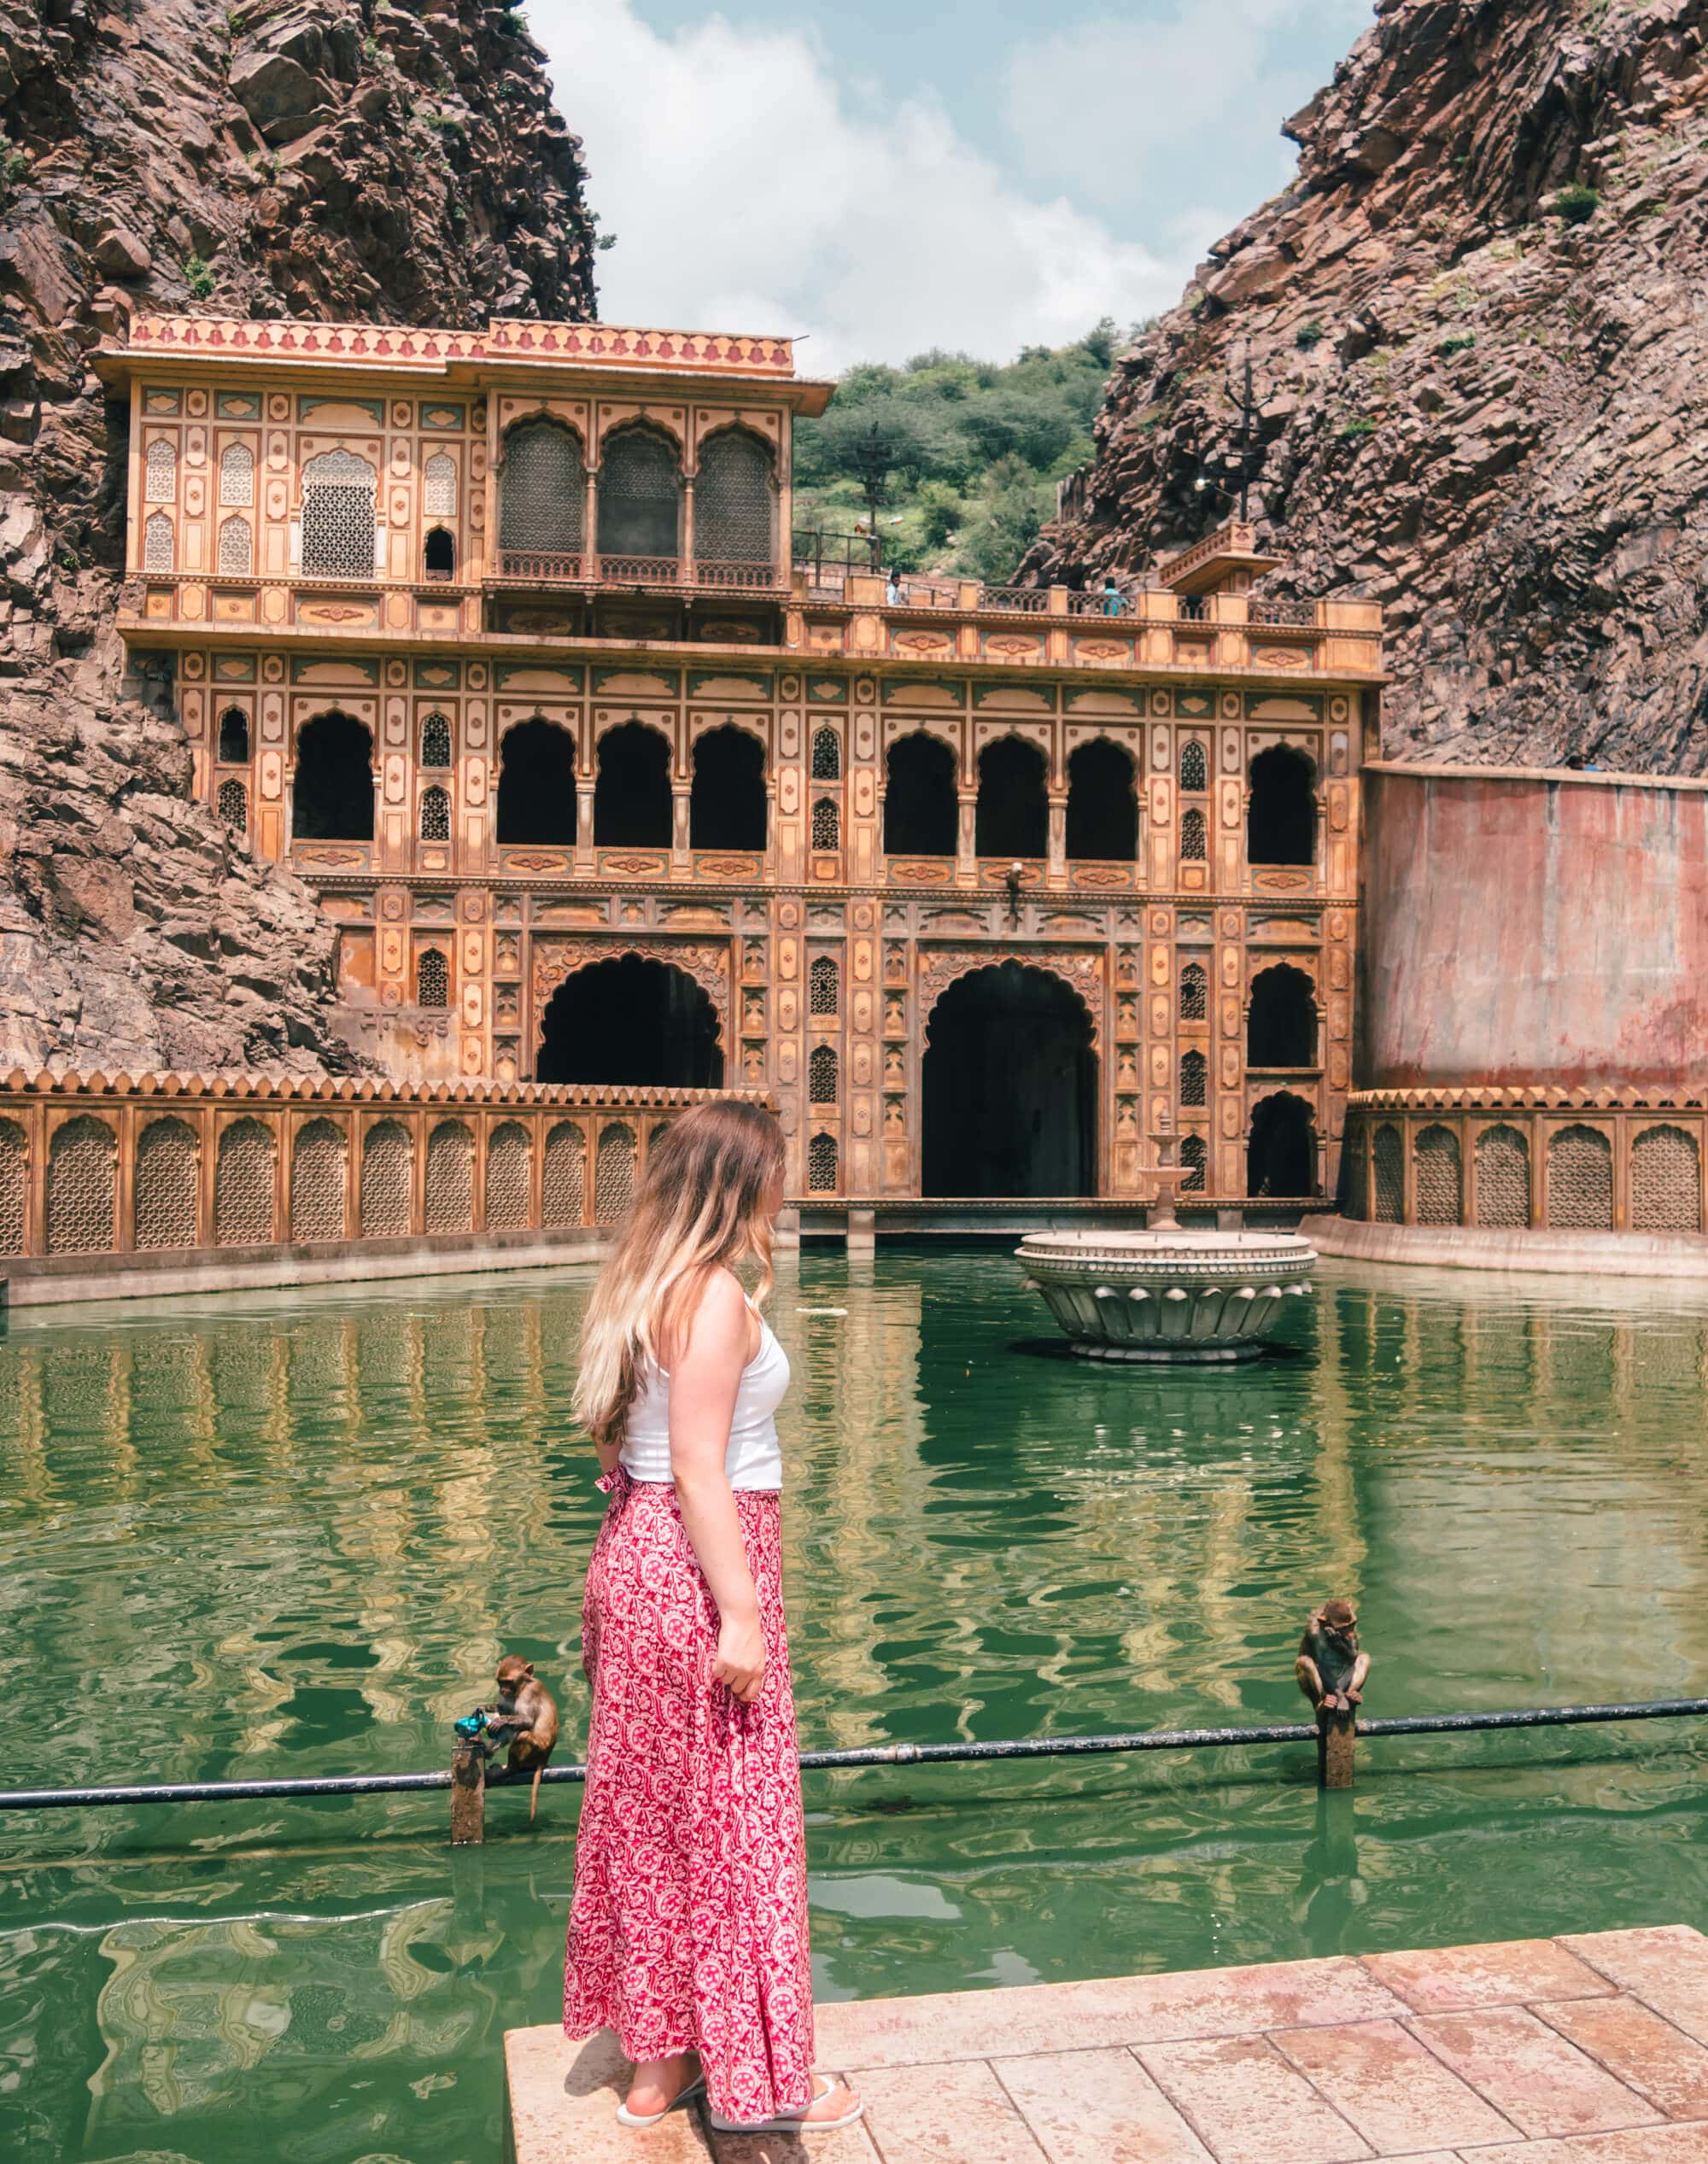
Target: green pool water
x,y
290,1533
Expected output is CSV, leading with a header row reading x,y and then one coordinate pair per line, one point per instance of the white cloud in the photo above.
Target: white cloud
x,y
1177,117
753,188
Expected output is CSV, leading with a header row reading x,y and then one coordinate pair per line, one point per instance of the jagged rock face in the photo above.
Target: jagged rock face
x,y
1491,418
346,159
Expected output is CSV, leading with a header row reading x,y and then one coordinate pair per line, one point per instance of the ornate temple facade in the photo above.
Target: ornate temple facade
x,y
499,639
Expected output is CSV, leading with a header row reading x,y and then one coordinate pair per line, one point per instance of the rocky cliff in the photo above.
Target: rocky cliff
x,y
337,158
1477,322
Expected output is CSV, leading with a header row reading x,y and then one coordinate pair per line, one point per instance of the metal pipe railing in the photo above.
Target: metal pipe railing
x,y
887,1754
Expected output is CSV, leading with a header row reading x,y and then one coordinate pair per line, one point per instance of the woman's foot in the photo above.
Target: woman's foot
x,y
656,2084
837,2102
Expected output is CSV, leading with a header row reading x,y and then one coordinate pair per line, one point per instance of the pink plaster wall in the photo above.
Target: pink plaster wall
x,y
1526,926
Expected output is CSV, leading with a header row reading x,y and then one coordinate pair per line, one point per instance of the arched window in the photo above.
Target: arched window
x,y
1194,1079
160,462
1281,1030
727,805
234,805
386,1180
1195,1155
1102,810
1195,842
168,1162
1194,993
435,814
1437,1175
641,497
234,737
536,786
1666,1181
1580,1180
1281,1156
631,797
333,798
1194,768
236,547
1281,820
1388,1160
439,555
318,1159
339,515
432,979
921,818
238,476
732,500
827,825
1013,817
1503,1161
821,1165
439,486
157,548
436,741
543,508
827,755
823,986
821,1075
83,1164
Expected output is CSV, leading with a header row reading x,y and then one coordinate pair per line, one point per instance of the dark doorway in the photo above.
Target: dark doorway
x,y
639,494
631,795
921,818
234,736
1281,823
1103,811
1013,818
439,557
333,799
536,784
1281,1158
631,1021
1281,1030
1011,1088
727,804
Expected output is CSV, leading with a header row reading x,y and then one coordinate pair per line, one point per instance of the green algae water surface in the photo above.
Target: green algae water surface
x,y
290,1535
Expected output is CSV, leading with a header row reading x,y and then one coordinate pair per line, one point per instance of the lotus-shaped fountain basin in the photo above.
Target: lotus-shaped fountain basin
x,y
1174,1296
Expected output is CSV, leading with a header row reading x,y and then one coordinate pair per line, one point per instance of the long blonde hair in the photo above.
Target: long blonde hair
x,y
702,1205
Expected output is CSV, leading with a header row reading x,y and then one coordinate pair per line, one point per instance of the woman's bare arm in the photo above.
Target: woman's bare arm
x,y
706,1372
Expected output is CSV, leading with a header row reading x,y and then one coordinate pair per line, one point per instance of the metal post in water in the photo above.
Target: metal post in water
x,y
468,1793
1337,1740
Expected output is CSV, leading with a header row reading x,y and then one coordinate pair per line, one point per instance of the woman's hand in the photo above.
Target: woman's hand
x,y
741,1661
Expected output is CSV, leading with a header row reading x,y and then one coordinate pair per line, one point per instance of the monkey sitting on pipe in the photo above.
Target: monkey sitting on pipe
x,y
1330,1667
528,1714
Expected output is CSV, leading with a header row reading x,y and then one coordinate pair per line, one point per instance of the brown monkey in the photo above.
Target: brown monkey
x,y
528,1714
1330,1667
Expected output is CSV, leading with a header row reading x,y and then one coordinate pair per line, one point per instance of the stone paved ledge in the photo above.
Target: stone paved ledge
x,y
1586,2050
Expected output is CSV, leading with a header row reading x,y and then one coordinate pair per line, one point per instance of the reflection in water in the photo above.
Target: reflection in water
x,y
292,1534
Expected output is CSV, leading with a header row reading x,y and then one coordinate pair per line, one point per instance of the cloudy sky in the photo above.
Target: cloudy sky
x,y
888,177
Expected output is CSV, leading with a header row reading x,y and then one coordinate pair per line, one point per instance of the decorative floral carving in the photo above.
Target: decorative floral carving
x,y
555,961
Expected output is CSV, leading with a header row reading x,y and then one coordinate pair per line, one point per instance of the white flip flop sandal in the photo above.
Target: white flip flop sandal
x,y
626,2118
794,2122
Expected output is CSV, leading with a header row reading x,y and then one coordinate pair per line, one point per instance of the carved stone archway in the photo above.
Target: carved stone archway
x,y
1081,972
555,960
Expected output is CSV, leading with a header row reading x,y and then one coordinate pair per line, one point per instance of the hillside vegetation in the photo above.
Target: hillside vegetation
x,y
972,449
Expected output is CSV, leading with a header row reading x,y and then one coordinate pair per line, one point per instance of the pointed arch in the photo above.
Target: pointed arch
x,y
542,502
332,796
735,496
1102,805
536,786
339,491
640,500
1281,818
1013,814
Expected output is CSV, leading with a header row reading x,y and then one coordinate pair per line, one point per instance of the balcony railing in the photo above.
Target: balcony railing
x,y
1303,613
639,570
1098,603
1029,600
549,567
753,578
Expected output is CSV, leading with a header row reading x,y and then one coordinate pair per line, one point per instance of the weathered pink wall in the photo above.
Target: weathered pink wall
x,y
1525,926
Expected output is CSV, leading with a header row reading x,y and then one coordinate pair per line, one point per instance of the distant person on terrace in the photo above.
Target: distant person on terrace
x,y
1113,600
688,1924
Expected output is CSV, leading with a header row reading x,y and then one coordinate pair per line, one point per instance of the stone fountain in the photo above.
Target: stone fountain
x,y
1167,1294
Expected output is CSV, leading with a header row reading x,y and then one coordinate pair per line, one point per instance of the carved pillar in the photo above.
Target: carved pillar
x,y
1056,872
679,859
590,523
966,862
687,567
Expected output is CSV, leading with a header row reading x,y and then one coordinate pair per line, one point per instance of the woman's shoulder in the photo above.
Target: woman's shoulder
x,y
716,1317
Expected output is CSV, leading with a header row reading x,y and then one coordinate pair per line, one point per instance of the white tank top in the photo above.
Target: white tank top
x,y
754,1457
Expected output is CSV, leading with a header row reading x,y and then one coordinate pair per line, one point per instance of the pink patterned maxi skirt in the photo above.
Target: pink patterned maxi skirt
x,y
688,1927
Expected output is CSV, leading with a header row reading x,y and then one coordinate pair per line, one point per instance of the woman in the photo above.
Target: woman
x,y
688,1927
